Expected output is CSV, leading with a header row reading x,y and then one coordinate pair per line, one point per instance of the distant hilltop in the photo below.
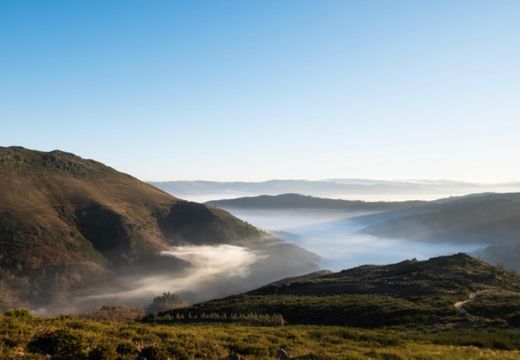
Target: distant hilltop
x,y
301,202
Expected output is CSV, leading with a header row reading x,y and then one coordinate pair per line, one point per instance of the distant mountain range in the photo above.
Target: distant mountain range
x,y
450,290
352,189
67,223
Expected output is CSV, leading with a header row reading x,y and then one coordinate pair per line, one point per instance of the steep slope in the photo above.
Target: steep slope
x,y
409,292
66,222
297,201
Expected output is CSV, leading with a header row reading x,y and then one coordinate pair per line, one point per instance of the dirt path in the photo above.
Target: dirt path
x,y
460,304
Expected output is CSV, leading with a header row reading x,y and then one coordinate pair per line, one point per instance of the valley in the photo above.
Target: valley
x,y
337,230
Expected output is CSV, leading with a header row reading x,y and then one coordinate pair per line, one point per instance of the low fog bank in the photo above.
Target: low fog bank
x,y
338,238
213,271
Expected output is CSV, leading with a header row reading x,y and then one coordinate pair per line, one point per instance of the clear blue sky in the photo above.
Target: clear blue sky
x,y
251,90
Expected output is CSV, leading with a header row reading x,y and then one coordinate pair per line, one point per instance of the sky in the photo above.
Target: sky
x,y
253,90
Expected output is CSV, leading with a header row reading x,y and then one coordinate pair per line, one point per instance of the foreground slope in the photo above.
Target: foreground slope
x,y
407,293
66,222
23,336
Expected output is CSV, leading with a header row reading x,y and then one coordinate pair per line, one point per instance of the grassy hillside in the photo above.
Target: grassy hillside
x,y
413,293
297,201
22,336
66,222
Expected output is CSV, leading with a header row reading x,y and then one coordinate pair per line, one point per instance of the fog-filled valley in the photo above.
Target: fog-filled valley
x,y
212,271
339,240
350,233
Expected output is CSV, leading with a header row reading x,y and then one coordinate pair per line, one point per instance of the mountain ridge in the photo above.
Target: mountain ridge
x,y
299,201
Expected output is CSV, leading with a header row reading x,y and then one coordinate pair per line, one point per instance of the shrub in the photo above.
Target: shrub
x,y
126,349
166,301
19,314
103,352
154,353
59,343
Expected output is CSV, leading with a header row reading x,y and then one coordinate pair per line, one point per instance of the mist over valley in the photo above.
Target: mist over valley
x,y
339,233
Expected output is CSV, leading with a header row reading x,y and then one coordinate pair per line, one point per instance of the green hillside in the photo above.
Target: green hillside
x,y
413,293
26,337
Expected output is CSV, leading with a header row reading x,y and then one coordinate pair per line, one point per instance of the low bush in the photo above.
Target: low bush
x,y
155,353
58,343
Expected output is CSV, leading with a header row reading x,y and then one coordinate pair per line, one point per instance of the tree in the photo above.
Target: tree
x,y
167,301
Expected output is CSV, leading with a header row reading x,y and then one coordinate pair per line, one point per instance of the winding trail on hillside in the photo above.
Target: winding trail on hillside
x,y
460,304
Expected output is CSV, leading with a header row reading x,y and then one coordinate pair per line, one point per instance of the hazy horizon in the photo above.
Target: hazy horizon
x,y
346,189
262,180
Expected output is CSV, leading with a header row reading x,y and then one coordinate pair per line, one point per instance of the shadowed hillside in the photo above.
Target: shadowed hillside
x,y
489,219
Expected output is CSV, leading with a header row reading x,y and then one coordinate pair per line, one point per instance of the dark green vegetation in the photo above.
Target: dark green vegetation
x,y
490,219
412,293
297,201
25,337
67,222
